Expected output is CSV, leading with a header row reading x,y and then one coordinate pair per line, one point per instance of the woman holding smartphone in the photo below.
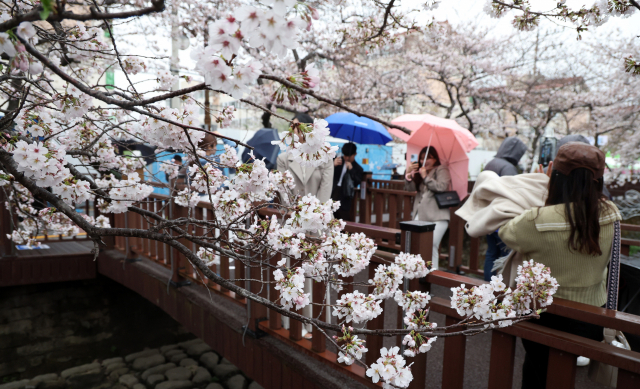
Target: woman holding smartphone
x,y
428,177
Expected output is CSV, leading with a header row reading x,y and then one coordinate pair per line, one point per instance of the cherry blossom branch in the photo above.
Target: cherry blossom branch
x,y
94,14
338,104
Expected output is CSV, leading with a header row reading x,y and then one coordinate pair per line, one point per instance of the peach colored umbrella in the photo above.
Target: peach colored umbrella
x,y
451,141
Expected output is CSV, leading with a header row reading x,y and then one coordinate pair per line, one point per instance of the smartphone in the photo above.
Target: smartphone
x,y
414,158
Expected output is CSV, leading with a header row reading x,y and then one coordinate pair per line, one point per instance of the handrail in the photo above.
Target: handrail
x,y
627,361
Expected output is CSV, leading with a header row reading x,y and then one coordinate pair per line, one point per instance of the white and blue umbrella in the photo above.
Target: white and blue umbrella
x,y
357,129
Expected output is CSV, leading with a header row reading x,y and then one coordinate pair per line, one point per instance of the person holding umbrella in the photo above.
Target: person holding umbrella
x,y
347,175
428,176
262,146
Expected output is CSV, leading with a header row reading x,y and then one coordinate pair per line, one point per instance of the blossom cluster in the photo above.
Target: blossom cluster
x,y
391,369
535,287
412,301
386,280
165,135
352,251
416,343
208,256
306,143
47,167
351,347
291,287
123,193
357,307
412,265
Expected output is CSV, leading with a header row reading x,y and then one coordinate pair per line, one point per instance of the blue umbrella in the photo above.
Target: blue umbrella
x,y
357,129
262,147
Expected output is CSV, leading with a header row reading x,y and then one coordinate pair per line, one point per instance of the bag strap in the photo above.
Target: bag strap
x,y
613,278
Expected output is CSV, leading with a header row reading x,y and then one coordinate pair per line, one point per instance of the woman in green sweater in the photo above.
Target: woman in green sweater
x,y
572,235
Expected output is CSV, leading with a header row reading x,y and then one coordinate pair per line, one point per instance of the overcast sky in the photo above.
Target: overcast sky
x,y
461,11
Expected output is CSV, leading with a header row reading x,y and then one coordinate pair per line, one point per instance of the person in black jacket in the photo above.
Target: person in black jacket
x,y
345,169
503,164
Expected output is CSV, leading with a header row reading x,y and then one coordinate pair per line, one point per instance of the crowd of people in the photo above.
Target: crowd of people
x,y
560,216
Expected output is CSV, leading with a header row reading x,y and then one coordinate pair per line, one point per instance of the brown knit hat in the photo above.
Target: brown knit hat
x,y
576,155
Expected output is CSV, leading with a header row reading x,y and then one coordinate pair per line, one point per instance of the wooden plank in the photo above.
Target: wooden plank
x,y
374,343
393,211
561,371
503,350
275,319
378,205
453,359
318,340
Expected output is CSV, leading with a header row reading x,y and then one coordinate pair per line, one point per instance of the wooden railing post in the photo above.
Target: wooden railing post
x,y
275,319
374,343
453,359
503,351
318,341
6,249
561,370
176,257
365,204
456,237
257,312
417,238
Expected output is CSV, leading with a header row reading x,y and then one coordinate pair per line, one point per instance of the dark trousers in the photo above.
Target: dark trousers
x,y
536,359
495,249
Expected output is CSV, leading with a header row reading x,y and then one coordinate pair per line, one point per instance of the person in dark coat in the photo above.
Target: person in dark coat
x,y
504,163
345,168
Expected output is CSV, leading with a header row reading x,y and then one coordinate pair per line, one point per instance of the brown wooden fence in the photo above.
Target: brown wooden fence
x,y
564,347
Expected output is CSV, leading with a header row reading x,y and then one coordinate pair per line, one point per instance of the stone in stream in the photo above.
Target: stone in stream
x,y
144,363
224,370
140,354
80,369
155,379
198,349
86,379
173,352
45,377
214,386
202,375
165,349
114,366
139,386
59,383
210,360
178,374
157,370
236,382
15,385
188,362
178,357
175,385
128,380
117,373
109,361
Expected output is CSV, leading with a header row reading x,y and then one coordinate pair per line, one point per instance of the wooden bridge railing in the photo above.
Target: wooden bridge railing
x,y
564,347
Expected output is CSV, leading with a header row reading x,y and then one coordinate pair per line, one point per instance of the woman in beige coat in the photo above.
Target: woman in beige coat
x,y
428,180
317,181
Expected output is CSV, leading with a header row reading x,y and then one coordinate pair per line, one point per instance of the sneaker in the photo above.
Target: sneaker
x,y
583,361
